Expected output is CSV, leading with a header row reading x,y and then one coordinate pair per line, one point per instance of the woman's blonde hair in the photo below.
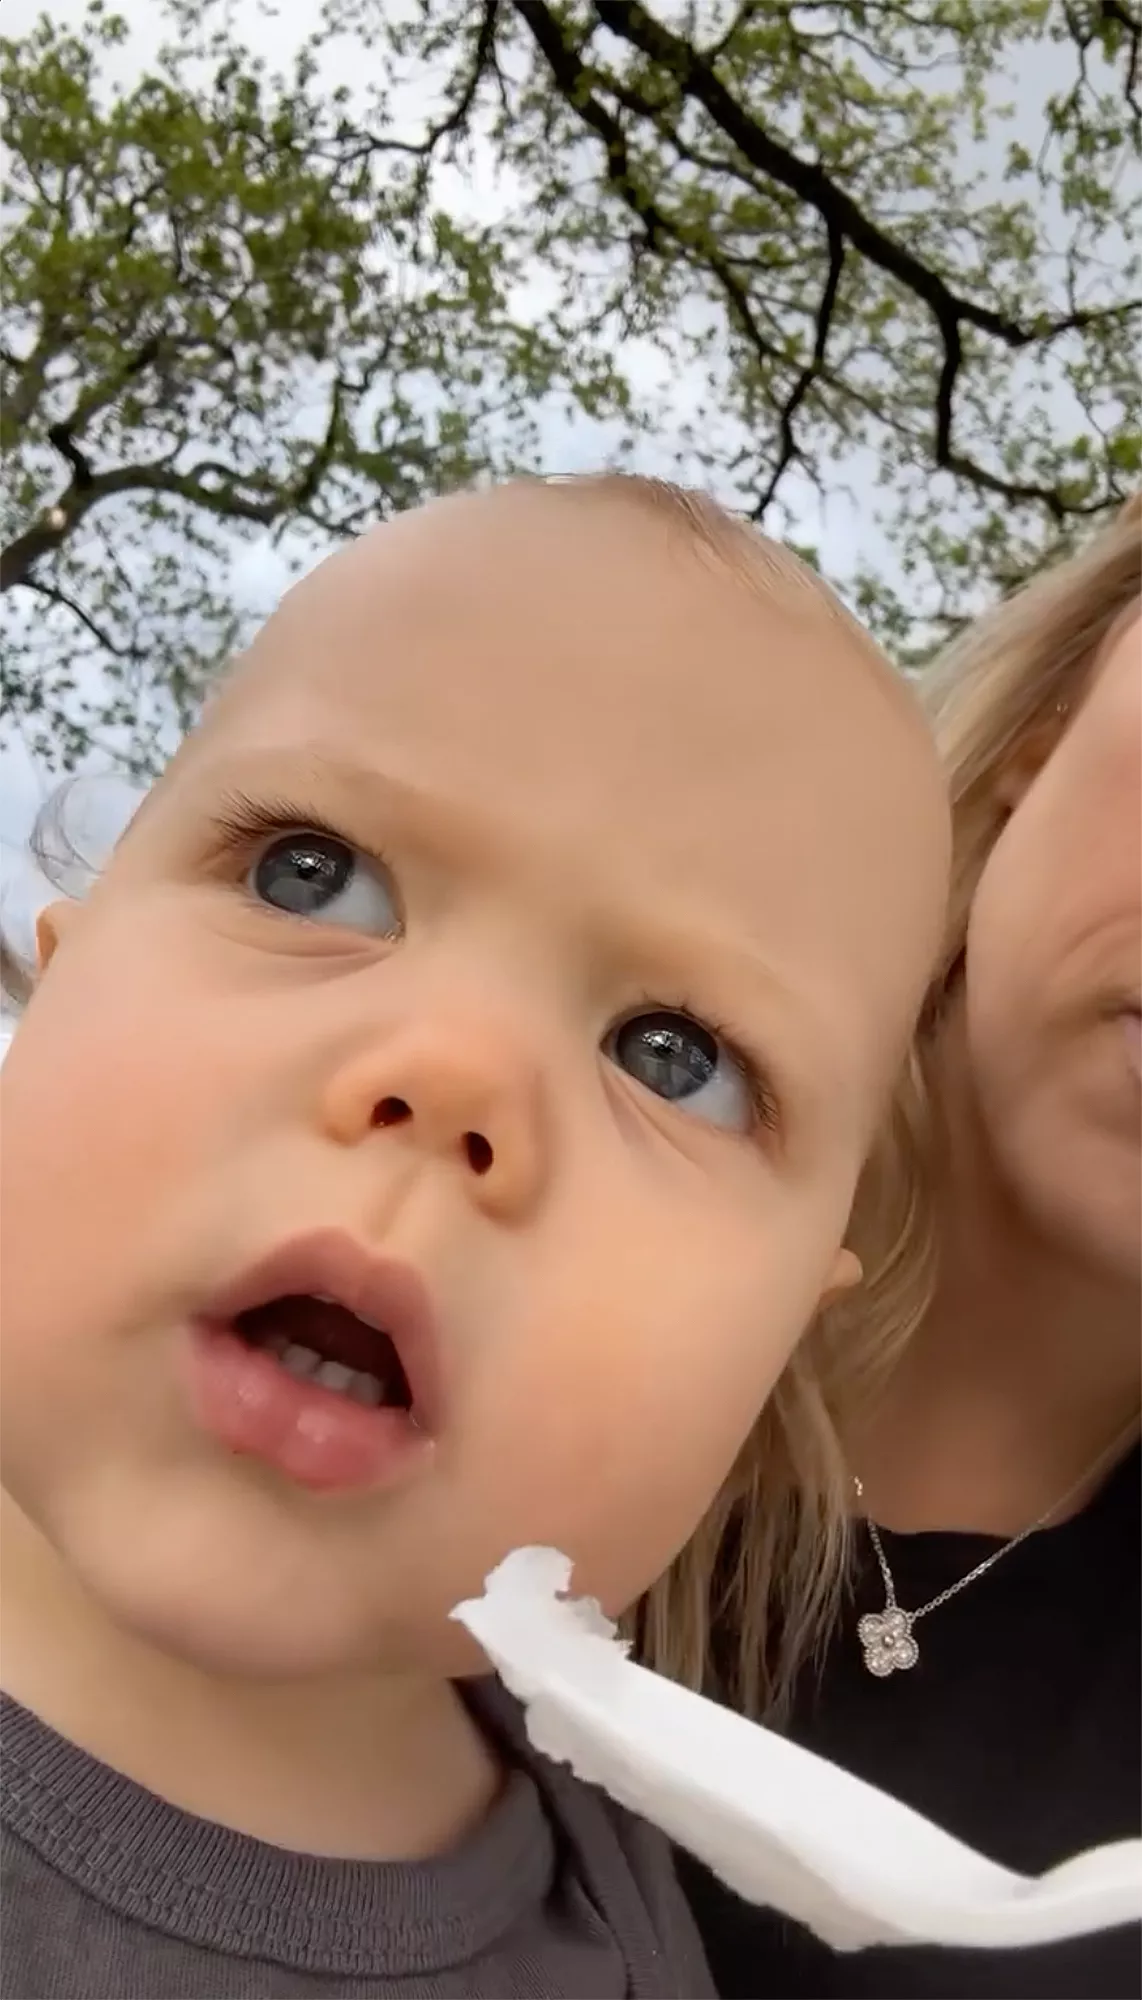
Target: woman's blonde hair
x,y
754,1593
1015,679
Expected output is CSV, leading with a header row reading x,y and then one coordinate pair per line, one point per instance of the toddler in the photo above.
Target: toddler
x,y
432,1135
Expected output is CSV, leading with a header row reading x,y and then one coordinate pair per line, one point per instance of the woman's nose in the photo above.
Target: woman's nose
x,y
459,1091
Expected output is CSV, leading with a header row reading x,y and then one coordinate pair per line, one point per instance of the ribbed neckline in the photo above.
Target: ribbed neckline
x,y
224,1891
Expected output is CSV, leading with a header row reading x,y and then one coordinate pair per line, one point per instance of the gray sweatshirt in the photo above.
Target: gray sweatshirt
x,y
109,1893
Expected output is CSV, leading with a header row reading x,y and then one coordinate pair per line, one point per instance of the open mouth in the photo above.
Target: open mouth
x,y
322,1362
316,1339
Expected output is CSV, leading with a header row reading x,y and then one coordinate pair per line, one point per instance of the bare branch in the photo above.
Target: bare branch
x,y
456,122
808,375
52,594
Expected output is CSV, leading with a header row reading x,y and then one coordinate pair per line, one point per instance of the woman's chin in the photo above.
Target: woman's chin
x,y
1092,1216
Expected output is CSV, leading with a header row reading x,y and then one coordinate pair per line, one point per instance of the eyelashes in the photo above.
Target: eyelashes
x,y
240,824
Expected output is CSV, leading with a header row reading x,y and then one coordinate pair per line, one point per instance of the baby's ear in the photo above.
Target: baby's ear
x,y
847,1271
52,925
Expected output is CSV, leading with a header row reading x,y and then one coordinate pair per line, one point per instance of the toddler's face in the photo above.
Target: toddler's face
x,y
514,958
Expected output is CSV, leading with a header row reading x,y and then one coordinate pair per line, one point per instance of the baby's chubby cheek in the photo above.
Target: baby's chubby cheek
x,y
611,1439
123,1076
99,1119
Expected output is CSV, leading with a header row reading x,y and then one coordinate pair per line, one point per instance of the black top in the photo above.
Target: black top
x,y
1017,1730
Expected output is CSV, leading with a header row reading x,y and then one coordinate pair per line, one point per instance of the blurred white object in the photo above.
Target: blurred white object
x,y
781,1826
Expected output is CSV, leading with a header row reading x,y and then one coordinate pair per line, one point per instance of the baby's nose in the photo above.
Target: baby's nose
x,y
463,1092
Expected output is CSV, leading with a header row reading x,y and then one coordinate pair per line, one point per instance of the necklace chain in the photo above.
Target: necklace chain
x,y
886,1636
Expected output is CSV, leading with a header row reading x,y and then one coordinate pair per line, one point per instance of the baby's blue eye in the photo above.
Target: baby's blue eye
x,y
314,875
683,1062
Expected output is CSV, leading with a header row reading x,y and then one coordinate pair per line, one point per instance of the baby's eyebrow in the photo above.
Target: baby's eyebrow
x,y
324,779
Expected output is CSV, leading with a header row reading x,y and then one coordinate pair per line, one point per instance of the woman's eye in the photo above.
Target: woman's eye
x,y
317,876
681,1061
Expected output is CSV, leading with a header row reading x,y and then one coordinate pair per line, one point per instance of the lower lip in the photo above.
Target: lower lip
x,y
311,1435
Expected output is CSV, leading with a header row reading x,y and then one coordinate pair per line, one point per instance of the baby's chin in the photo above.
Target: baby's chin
x,y
217,1640
238,1578
218,1633
218,1611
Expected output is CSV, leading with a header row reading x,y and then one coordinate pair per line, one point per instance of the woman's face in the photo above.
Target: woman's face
x,y
1054,974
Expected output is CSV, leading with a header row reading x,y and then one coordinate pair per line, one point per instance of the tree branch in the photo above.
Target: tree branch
x,y
82,477
1115,10
307,487
808,374
101,394
30,375
20,556
457,119
629,20
54,595
845,223
572,79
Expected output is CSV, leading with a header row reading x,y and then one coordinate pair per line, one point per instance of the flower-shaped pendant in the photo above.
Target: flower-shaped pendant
x,y
886,1637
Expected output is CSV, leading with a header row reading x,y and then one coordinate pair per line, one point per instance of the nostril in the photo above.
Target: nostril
x,y
391,1111
480,1155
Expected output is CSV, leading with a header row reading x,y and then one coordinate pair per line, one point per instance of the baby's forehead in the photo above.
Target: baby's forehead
x,y
692,690
663,708
591,594
579,661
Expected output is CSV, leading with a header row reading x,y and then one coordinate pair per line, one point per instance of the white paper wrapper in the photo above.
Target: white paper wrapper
x,y
778,1824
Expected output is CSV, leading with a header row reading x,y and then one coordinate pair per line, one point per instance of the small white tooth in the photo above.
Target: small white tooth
x,y
276,1344
333,1375
301,1361
324,1299
365,1389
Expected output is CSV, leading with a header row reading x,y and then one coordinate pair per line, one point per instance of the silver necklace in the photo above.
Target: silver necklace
x,y
886,1636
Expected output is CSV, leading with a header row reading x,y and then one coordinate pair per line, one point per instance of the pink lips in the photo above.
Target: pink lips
x,y
314,1435
1132,1028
